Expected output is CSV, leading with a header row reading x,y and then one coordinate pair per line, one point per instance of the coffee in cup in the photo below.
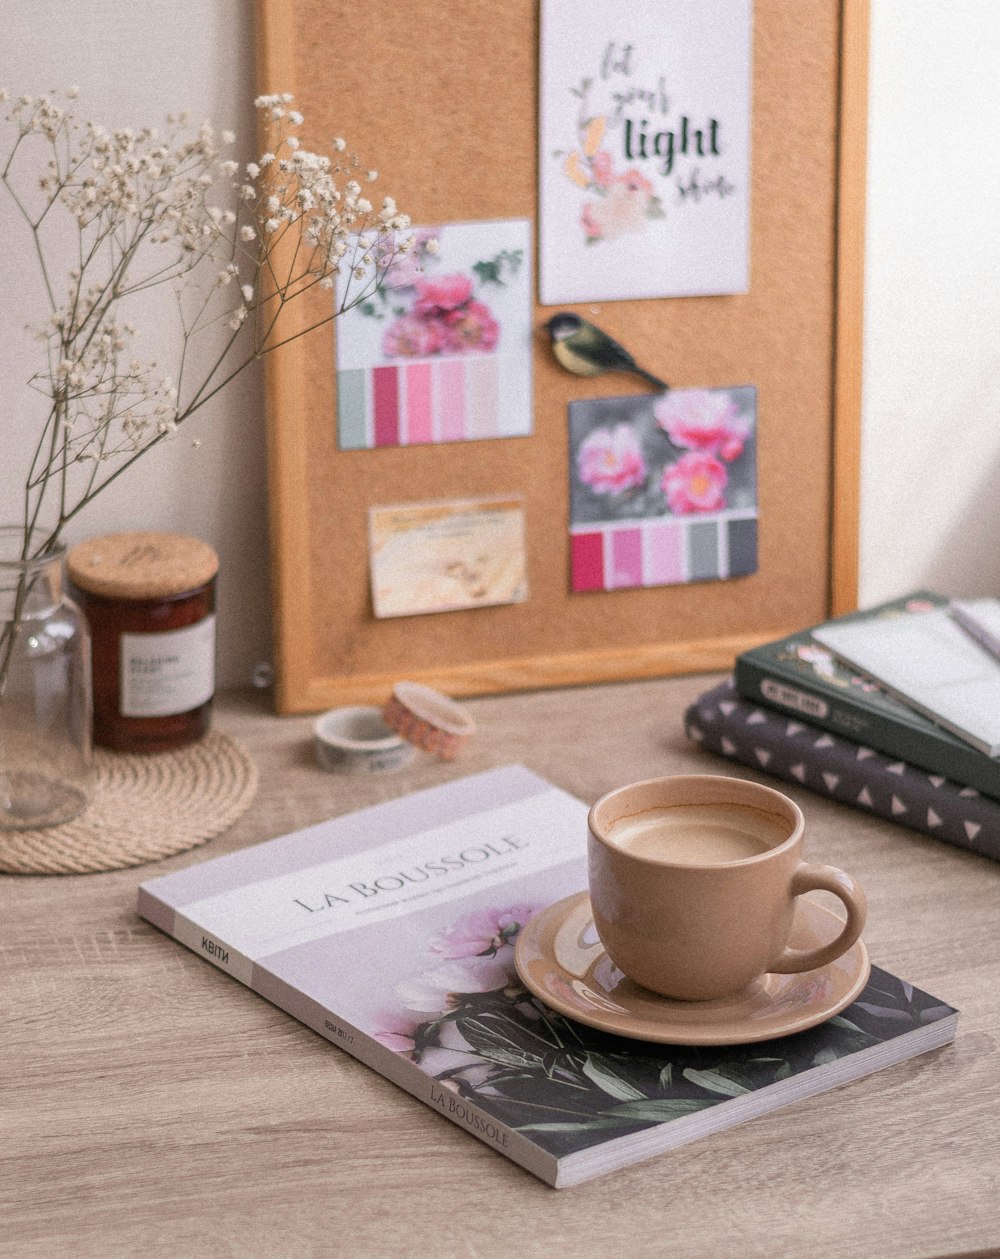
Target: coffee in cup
x,y
693,881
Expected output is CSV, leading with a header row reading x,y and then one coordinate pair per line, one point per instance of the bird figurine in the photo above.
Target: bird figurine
x,y
582,348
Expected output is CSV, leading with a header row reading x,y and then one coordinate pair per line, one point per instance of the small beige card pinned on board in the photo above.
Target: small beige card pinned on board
x,y
446,556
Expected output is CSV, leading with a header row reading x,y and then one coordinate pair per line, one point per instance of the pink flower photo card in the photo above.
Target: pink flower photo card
x,y
442,352
644,149
663,489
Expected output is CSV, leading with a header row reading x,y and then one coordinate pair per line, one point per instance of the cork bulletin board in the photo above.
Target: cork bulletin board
x,y
444,101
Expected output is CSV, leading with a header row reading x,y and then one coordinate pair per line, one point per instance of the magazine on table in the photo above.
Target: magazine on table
x,y
391,932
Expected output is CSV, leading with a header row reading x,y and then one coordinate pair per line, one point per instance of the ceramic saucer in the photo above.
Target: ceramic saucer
x,y
561,960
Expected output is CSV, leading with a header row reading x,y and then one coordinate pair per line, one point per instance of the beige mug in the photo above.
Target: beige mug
x,y
693,881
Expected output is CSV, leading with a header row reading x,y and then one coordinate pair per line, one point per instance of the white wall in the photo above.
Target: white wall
x,y
931,438
134,62
931,446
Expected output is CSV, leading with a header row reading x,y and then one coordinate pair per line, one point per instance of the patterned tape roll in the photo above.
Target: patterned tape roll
x,y
427,719
358,741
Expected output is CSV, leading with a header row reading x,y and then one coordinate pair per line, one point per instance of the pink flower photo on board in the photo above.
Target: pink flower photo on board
x,y
703,419
445,318
470,327
611,460
406,269
436,296
663,488
695,483
410,336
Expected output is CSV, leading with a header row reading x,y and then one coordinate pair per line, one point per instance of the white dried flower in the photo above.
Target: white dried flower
x,y
107,403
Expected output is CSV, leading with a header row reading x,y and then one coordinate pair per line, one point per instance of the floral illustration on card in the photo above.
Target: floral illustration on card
x,y
442,352
620,199
464,1016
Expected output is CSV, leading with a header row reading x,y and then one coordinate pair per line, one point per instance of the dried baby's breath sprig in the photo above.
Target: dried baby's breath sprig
x,y
112,214
229,246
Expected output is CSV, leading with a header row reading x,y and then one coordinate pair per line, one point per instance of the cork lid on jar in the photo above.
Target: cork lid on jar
x,y
141,565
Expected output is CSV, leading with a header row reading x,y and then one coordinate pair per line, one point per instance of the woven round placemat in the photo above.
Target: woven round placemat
x,y
144,808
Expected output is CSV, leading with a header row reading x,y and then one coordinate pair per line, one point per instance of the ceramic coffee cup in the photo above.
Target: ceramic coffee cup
x,y
693,881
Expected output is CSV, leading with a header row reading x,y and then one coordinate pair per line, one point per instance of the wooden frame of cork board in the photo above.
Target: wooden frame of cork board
x,y
447,110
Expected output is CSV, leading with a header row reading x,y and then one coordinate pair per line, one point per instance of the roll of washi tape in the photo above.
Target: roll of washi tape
x,y
358,741
427,719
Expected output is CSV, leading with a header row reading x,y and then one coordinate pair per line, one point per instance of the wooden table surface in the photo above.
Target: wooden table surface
x,y
150,1105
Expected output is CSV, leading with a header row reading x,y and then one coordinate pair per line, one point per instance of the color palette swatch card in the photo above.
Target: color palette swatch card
x,y
644,149
442,351
663,489
446,556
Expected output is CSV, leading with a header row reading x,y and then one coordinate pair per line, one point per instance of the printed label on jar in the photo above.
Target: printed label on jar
x,y
169,673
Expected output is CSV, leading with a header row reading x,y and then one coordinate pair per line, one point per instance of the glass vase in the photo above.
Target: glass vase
x,y
45,693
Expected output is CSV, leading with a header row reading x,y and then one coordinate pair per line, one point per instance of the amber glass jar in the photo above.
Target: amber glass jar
x,y
149,599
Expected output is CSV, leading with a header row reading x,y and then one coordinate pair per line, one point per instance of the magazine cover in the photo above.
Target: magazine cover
x,y
391,932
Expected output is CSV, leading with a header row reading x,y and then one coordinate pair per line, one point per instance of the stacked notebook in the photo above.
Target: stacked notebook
x,y
895,710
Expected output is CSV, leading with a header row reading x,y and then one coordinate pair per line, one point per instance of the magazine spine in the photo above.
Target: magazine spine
x,y
394,1067
846,714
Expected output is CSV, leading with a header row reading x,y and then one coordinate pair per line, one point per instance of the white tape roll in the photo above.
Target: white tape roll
x,y
357,741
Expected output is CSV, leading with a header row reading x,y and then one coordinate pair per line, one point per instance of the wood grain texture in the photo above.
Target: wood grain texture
x,y
150,1105
448,112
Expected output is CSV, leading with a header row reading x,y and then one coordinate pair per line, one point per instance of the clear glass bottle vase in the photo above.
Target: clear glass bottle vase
x,y
45,691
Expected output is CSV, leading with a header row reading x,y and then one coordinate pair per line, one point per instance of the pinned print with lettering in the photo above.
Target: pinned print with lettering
x,y
644,149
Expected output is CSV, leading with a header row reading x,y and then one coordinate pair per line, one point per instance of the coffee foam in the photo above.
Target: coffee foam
x,y
699,834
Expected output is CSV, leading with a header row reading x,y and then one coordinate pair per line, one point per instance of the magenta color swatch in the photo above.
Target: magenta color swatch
x,y
451,400
664,554
626,558
385,404
588,561
418,404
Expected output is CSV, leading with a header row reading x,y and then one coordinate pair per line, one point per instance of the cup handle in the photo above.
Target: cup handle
x,y
810,878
